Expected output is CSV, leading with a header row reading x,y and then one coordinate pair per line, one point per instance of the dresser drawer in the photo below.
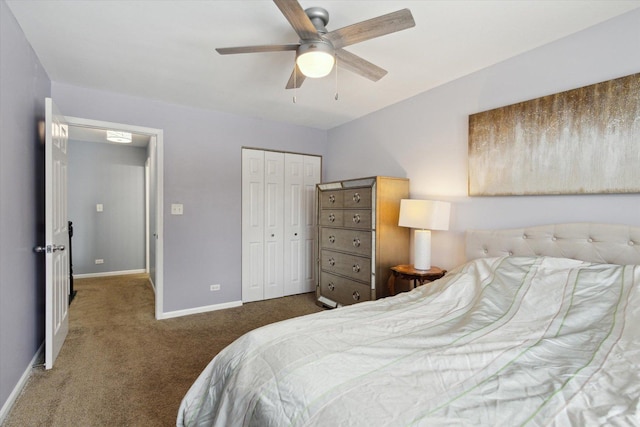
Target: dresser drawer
x,y
342,290
331,217
360,218
357,198
353,266
330,199
345,240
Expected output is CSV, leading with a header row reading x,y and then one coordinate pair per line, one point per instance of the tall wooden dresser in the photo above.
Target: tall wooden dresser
x,y
359,239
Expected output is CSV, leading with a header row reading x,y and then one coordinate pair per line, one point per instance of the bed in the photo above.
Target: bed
x,y
540,327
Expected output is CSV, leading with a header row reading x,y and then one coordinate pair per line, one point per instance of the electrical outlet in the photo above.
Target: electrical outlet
x,y
215,287
99,261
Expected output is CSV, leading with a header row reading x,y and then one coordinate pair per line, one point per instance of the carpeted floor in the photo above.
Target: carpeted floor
x,y
121,367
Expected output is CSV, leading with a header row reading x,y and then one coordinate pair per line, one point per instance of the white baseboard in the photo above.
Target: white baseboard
x,y
109,273
197,310
6,407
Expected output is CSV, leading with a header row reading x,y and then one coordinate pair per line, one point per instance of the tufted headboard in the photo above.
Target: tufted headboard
x,y
602,243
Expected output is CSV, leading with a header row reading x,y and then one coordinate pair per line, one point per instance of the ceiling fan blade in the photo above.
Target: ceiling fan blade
x,y
298,19
359,66
372,28
254,49
297,77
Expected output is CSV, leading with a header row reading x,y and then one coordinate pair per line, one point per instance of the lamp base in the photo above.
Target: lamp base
x,y
422,249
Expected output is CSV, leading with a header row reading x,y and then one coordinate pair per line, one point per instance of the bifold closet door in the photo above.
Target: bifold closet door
x,y
252,225
278,223
262,225
302,173
273,224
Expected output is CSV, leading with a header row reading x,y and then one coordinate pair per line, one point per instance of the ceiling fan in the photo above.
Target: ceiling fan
x,y
317,50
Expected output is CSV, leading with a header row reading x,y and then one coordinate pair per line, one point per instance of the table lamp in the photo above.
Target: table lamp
x,y
423,216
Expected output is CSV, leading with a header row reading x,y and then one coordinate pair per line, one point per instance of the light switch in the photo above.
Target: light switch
x,y
176,209
99,207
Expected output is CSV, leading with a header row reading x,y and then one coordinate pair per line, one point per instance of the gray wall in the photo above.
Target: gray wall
x,y
112,175
23,87
202,170
425,138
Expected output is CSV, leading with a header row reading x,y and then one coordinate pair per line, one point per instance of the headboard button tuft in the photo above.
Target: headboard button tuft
x,y
510,253
631,243
590,240
524,236
554,238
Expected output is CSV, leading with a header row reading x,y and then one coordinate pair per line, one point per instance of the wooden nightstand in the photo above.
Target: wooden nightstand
x,y
417,277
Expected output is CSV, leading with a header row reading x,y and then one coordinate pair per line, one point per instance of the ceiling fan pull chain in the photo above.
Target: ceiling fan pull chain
x,y
295,83
336,60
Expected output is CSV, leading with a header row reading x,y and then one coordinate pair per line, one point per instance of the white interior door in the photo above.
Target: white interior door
x,y
278,223
252,225
273,224
294,218
312,175
302,173
56,233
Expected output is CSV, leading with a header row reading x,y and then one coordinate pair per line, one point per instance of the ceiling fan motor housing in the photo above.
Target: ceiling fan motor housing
x,y
319,18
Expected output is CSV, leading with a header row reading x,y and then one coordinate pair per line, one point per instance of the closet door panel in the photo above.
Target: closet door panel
x,y
293,220
312,176
252,225
274,225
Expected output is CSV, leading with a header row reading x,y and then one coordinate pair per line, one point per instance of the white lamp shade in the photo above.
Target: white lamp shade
x,y
424,214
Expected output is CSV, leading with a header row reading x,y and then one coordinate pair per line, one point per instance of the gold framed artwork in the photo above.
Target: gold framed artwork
x,y
582,141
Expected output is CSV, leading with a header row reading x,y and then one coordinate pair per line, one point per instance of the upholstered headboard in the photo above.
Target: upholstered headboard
x,y
602,243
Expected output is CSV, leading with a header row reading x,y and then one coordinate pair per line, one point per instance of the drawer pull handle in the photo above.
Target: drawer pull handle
x,y
356,218
356,295
356,268
356,242
332,198
356,197
331,286
332,261
332,239
332,217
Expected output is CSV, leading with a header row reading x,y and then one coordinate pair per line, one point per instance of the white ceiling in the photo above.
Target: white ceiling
x,y
165,49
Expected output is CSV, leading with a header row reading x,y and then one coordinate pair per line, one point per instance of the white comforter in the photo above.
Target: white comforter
x,y
497,342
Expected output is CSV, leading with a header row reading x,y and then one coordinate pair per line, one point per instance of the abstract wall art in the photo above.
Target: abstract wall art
x,y
582,141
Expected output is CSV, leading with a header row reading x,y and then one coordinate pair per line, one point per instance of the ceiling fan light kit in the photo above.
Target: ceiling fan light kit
x,y
317,49
315,59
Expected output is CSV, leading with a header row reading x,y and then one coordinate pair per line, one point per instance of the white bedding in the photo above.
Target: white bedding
x,y
499,341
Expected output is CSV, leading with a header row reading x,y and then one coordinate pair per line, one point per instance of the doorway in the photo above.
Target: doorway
x,y
152,139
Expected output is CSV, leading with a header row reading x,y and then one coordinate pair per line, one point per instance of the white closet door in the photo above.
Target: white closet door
x,y
273,224
278,224
294,217
252,225
302,173
312,176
